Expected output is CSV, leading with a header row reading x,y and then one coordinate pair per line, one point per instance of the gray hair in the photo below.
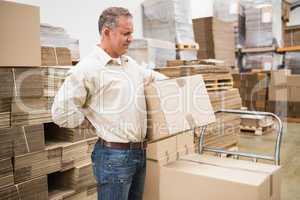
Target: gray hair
x,y
109,17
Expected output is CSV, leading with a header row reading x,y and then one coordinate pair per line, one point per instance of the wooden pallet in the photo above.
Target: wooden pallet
x,y
256,130
259,49
218,82
172,63
288,49
187,46
233,148
292,120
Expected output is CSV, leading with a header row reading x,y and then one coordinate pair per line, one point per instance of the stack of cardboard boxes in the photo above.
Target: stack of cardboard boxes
x,y
215,39
253,88
274,92
259,61
224,132
262,35
232,11
169,20
283,93
39,153
292,36
35,162
152,53
256,124
175,108
15,41
259,24
292,61
57,37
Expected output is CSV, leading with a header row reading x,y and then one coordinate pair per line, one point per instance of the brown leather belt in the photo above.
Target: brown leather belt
x,y
118,145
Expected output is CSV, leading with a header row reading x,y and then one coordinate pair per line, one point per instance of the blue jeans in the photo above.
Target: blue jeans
x,y
120,174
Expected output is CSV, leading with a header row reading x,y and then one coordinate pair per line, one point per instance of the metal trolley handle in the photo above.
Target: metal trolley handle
x,y
275,158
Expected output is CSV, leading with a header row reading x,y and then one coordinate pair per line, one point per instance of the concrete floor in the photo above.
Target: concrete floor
x,y
290,156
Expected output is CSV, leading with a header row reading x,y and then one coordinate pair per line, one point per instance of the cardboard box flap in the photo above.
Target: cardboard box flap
x,y
217,172
233,163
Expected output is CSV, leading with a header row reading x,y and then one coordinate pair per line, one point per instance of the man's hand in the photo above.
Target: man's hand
x,y
148,80
86,124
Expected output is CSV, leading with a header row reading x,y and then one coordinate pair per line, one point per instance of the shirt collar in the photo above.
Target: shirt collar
x,y
107,59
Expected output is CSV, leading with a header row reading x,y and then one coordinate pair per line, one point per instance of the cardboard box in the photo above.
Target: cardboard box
x,y
75,154
280,108
185,140
193,180
6,173
229,99
89,194
28,139
69,135
162,152
77,179
30,166
54,158
256,120
278,93
32,189
215,38
20,35
31,111
292,36
151,51
271,170
185,143
56,56
6,144
293,80
174,26
279,77
5,114
162,148
177,105
153,174
294,94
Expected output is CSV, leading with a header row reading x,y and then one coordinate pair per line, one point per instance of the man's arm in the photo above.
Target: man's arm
x,y
69,101
151,75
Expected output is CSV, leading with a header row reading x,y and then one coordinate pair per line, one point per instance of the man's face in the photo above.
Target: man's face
x,y
121,35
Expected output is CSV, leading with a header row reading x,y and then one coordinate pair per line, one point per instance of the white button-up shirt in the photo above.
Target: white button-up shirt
x,y
109,93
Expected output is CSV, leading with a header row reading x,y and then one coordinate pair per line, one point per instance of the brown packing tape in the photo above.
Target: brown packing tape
x,y
191,120
181,82
216,165
15,82
18,192
25,138
56,60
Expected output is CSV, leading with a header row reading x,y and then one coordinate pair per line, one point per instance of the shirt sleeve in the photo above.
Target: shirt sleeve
x,y
154,75
68,103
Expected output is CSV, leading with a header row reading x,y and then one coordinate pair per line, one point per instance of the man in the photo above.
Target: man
x,y
106,91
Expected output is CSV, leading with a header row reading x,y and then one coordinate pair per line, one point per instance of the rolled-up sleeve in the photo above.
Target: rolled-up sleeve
x,y
152,75
67,108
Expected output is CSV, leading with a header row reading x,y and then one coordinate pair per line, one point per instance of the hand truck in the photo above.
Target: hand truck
x,y
275,158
